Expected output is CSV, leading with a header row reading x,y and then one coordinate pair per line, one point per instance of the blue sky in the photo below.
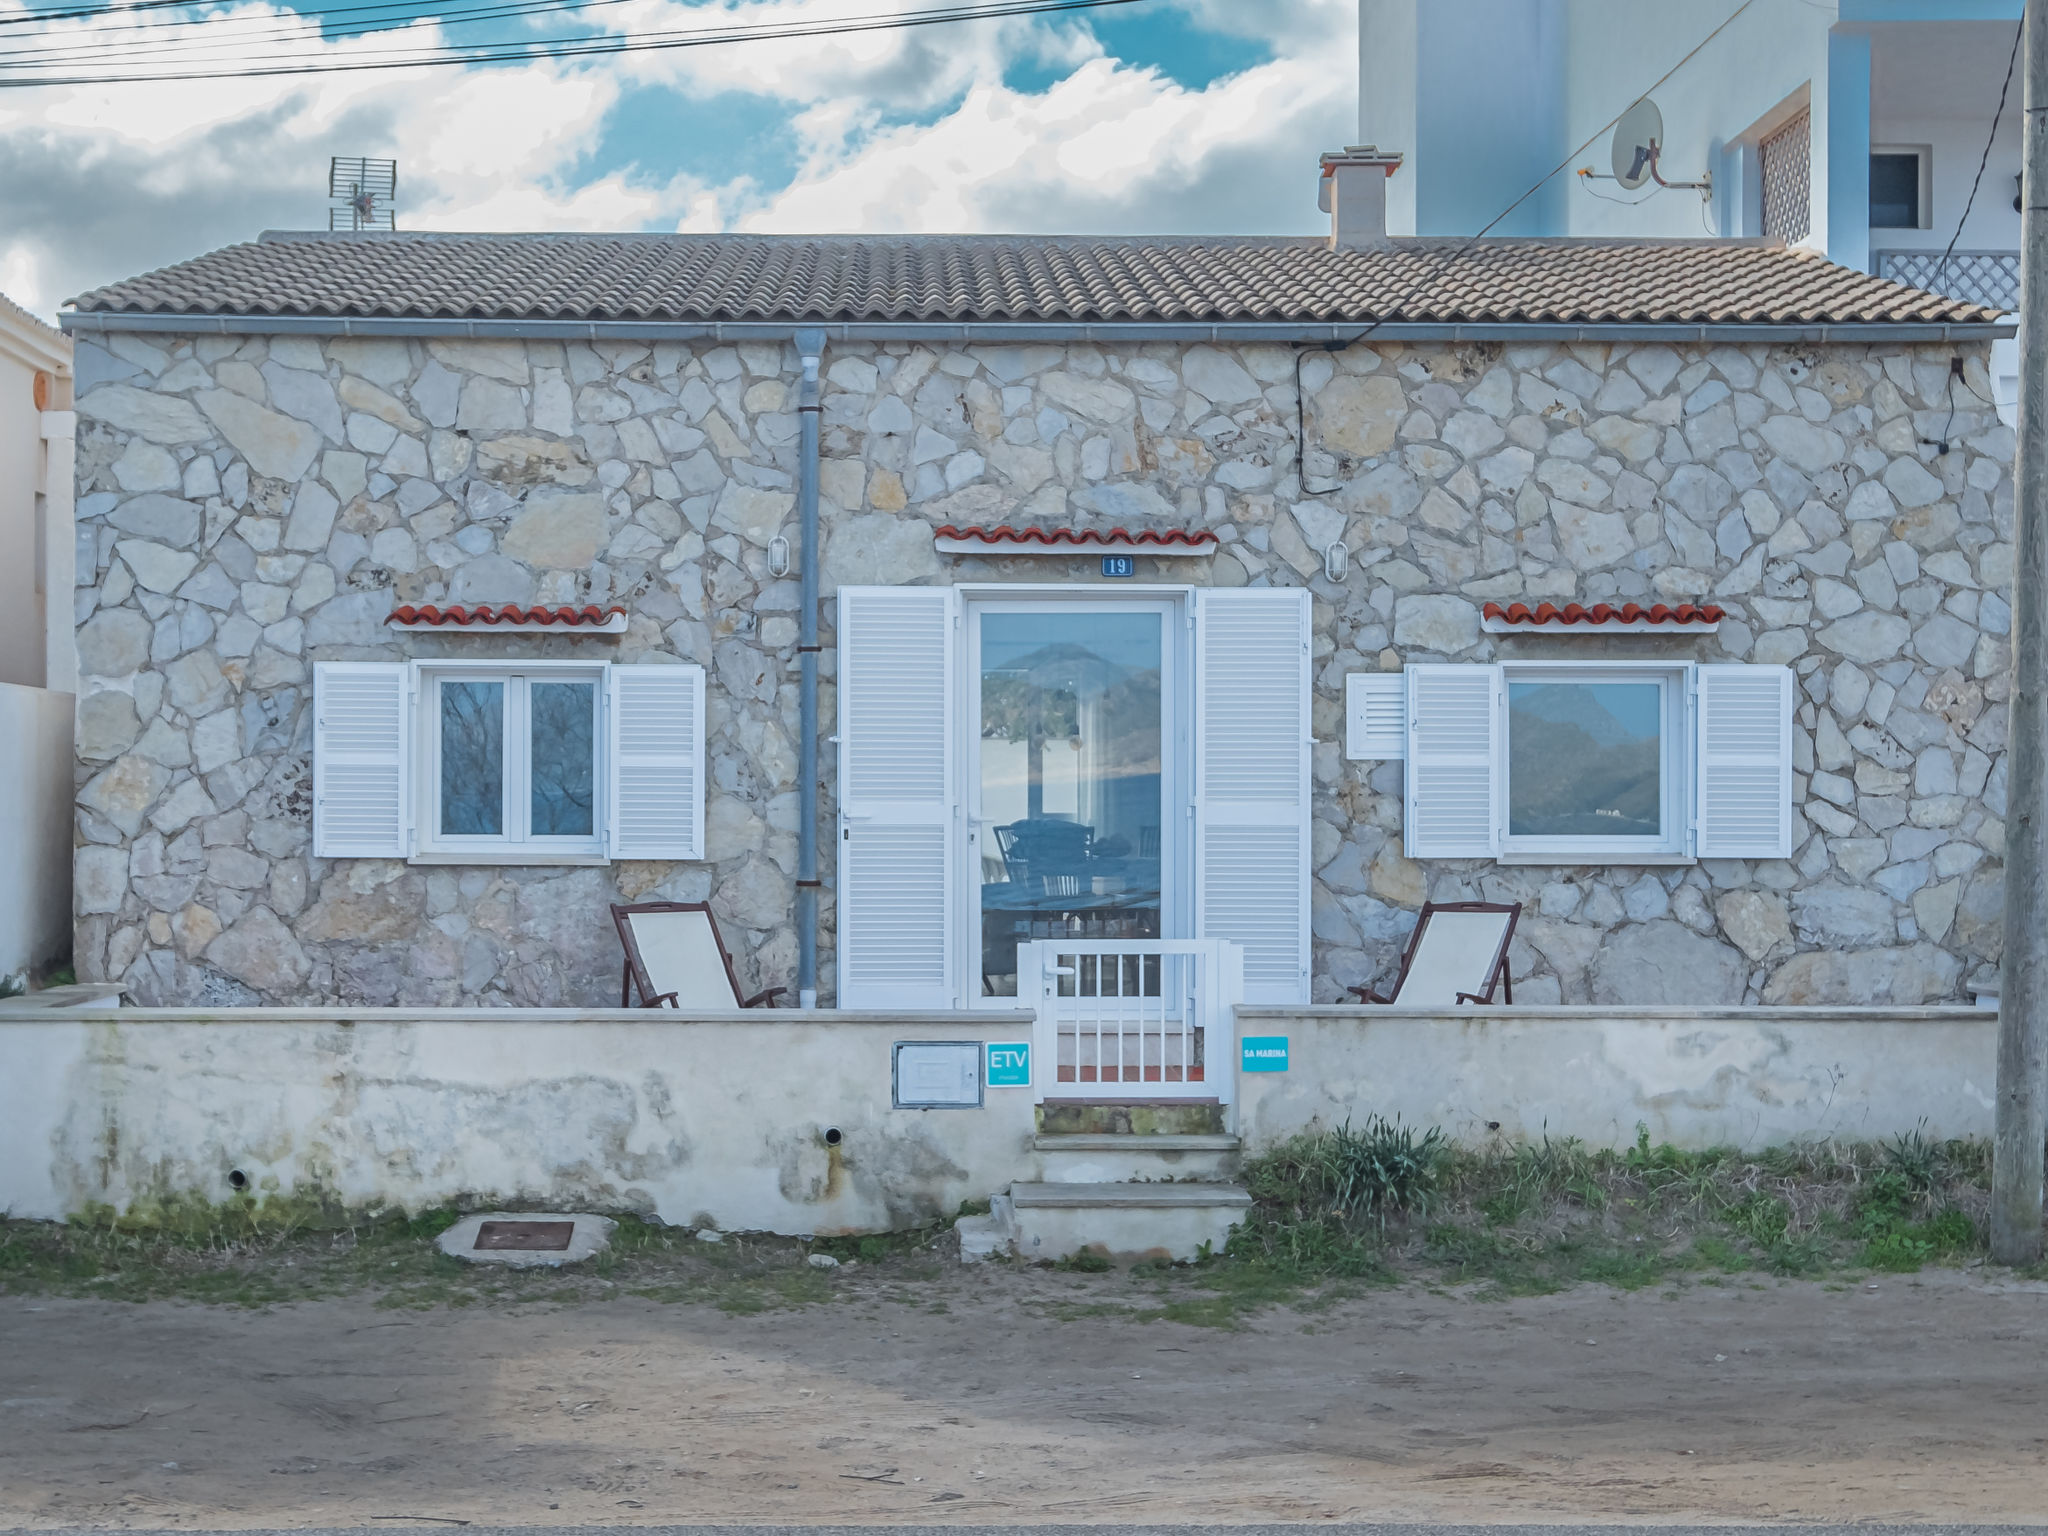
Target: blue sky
x,y
1169,116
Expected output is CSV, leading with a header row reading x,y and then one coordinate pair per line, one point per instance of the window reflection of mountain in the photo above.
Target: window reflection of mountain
x,y
1066,692
1562,782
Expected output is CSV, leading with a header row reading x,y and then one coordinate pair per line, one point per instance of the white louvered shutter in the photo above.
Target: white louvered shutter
x,y
362,740
1742,781
1449,808
1252,748
898,829
1375,715
657,762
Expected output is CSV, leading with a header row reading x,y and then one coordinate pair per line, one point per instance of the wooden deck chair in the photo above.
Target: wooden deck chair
x,y
676,958
1458,954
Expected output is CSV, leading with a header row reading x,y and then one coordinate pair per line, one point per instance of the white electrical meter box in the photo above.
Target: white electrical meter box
x,y
938,1074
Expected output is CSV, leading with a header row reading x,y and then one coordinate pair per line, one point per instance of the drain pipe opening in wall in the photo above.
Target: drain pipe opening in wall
x,y
810,346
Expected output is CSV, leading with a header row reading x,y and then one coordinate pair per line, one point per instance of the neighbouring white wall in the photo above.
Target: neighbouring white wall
x,y
718,1120
1694,1077
35,828
32,520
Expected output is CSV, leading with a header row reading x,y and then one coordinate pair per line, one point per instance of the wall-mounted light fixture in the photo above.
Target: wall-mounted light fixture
x,y
1336,561
778,556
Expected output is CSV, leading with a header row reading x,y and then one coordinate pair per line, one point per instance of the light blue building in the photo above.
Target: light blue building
x,y
1853,127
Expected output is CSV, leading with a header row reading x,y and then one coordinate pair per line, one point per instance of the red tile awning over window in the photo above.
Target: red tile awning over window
x,y
488,619
1005,539
1602,618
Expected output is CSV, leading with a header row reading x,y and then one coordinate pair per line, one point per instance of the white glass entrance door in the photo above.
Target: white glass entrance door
x,y
1072,775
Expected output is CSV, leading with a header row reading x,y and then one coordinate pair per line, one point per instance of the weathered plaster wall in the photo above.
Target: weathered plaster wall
x,y
1693,1077
251,505
716,1121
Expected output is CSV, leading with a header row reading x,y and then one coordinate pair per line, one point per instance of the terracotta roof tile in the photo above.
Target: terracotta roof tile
x,y
1121,538
484,614
1549,614
1019,278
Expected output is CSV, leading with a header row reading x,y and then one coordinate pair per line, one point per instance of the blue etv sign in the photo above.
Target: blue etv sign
x,y
1009,1064
1265,1053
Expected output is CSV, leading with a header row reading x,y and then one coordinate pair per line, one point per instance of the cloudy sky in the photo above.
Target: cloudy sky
x,y
1165,116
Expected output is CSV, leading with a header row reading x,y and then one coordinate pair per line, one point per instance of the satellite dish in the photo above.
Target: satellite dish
x,y
1638,140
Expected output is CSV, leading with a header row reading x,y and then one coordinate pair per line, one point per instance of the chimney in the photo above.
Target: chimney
x,y
1353,193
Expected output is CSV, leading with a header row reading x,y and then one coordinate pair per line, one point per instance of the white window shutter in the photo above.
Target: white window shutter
x,y
1742,781
1252,751
1375,715
657,762
362,755
1451,802
898,831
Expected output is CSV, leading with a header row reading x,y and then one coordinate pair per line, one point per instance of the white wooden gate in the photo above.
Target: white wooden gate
x,y
1139,1018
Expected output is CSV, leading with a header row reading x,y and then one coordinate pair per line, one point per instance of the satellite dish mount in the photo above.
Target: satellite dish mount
x,y
1638,149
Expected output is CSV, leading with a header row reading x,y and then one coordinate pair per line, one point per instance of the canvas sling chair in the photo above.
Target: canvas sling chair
x,y
676,959
1457,954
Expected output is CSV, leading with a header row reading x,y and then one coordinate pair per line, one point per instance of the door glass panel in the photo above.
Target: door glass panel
x,y
1071,728
1585,759
564,750
472,759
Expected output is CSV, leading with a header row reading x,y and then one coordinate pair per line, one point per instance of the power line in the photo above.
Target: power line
x,y
1464,247
1941,271
526,50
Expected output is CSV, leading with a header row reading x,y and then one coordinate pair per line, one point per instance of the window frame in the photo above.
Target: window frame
x,y
1675,767
517,845
1923,194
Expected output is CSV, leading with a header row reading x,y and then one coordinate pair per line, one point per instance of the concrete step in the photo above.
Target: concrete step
x,y
1131,1116
1125,1221
1083,1158
987,1237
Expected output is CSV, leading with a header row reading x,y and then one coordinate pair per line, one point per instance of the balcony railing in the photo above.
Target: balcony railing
x,y
1990,278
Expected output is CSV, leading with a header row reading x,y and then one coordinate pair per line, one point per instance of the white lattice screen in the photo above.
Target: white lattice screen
x,y
1787,177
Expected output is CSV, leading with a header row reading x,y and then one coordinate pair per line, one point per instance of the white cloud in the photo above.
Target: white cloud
x,y
103,182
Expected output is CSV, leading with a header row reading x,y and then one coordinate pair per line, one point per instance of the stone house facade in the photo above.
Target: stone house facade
x,y
1810,450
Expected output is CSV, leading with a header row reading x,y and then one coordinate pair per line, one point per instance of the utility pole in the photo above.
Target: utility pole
x,y
2022,1124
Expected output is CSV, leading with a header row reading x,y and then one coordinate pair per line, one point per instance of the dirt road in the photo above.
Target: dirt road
x,y
999,1396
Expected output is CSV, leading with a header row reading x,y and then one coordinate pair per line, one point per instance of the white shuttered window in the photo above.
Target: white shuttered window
x,y
1743,780
362,741
1252,749
1451,807
657,762
1598,762
507,762
899,823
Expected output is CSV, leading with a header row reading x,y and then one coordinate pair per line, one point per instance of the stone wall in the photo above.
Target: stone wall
x,y
251,505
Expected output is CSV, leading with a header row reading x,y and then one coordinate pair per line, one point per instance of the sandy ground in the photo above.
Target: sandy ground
x,y
1925,1398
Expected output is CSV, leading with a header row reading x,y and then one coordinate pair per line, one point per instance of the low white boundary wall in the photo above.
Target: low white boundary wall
x,y
1696,1077
722,1119
35,826
716,1120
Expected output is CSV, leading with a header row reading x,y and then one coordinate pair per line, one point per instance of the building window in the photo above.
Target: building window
x,y
1596,762
1784,160
1594,766
1899,191
506,762
514,761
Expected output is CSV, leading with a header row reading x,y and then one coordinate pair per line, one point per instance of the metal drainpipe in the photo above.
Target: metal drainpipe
x,y
810,346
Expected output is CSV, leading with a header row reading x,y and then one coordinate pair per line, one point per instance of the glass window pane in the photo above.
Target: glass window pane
x,y
564,757
1585,759
1071,718
1894,191
472,759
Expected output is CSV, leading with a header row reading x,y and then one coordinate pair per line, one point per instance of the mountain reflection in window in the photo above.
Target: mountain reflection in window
x,y
564,748
1584,759
472,759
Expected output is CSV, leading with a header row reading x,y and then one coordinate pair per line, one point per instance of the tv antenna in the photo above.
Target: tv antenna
x,y
1638,149
362,194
